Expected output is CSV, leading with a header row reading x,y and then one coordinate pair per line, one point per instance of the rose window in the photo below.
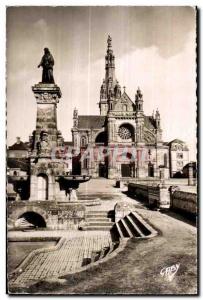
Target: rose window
x,y
124,133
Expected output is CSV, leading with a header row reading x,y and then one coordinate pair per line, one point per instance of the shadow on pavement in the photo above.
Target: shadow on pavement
x,y
191,220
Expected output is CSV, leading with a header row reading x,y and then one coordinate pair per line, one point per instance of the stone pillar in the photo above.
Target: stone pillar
x,y
162,176
190,174
45,139
33,188
51,188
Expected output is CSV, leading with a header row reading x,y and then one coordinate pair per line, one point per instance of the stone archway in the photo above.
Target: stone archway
x,y
16,213
31,218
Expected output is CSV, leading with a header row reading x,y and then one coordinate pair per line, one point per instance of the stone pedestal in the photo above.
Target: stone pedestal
x,y
44,164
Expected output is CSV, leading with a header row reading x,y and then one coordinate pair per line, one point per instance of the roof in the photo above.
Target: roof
x,y
91,121
176,141
149,122
19,146
21,163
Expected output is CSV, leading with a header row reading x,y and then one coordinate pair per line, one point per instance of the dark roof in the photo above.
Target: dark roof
x,y
176,141
91,121
21,163
19,146
149,122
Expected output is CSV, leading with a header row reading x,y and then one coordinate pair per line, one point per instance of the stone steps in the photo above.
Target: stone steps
x,y
98,220
97,227
104,223
133,225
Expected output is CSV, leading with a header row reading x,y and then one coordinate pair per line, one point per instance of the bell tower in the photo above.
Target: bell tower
x,y
110,89
139,117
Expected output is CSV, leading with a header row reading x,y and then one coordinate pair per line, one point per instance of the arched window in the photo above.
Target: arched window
x,y
101,138
124,107
83,141
42,187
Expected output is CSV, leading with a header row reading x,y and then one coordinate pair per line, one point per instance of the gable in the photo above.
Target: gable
x,y
124,104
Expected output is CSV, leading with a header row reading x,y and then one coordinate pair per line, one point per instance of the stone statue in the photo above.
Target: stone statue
x,y
47,63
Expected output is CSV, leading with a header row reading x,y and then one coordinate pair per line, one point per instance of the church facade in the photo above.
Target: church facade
x,y
122,141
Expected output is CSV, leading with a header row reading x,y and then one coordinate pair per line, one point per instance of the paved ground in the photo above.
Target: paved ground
x,y
69,257
137,269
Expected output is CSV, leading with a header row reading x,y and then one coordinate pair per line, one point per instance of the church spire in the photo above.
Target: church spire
x,y
110,61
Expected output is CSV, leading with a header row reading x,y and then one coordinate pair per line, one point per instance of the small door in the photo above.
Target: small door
x,y
125,170
151,170
102,170
42,187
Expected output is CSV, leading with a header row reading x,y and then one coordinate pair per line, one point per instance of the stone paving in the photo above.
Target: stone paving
x,y
78,245
69,257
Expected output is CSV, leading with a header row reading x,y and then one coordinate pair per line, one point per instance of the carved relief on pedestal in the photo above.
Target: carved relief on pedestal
x,y
46,98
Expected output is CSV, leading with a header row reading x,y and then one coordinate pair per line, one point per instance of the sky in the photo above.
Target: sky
x,y
154,47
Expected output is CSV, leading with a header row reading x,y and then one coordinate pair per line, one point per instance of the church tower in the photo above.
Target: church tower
x,y
110,88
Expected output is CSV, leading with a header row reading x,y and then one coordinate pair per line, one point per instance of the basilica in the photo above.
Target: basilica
x,y
122,141
119,142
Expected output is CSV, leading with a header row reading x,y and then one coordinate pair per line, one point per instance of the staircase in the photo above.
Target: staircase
x,y
98,220
133,225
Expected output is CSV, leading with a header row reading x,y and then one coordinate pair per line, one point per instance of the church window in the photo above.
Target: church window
x,y
124,132
124,107
180,155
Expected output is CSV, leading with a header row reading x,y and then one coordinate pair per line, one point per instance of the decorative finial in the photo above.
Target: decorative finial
x,y
109,40
124,89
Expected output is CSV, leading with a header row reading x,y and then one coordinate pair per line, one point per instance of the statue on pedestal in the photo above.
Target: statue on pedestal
x,y
47,63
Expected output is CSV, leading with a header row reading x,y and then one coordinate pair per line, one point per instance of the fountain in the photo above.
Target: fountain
x,y
52,189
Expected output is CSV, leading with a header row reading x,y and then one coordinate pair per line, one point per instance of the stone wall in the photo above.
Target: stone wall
x,y
58,216
184,202
156,195
165,197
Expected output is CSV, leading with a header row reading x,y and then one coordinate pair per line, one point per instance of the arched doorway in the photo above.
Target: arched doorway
x,y
31,219
127,165
42,187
